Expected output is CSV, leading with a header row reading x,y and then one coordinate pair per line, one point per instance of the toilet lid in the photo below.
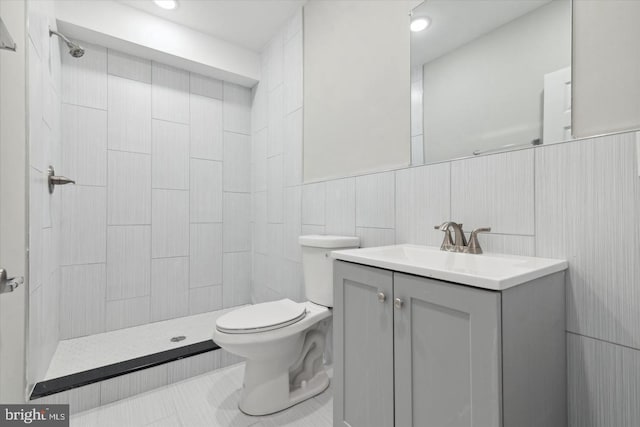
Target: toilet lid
x,y
262,317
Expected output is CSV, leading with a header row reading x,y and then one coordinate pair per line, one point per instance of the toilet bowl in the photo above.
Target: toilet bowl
x,y
283,341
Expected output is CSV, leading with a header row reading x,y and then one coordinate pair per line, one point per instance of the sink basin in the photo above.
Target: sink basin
x,y
488,271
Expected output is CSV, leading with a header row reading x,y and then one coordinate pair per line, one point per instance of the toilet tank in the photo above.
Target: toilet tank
x,y
317,265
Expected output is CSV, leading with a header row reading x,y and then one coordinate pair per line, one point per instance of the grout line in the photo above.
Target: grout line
x,y
603,340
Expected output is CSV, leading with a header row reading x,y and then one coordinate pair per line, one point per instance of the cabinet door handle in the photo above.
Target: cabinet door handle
x,y
381,297
398,303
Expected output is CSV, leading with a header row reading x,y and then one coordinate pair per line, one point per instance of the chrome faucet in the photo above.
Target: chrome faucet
x,y
460,244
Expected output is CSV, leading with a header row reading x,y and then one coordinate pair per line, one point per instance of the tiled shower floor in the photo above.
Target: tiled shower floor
x,y
209,400
94,351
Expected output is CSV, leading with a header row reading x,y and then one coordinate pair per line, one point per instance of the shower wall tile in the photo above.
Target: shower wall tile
x,y
129,188
205,299
275,253
313,203
169,224
275,194
170,155
507,244
129,115
423,199
236,281
84,145
375,200
260,222
237,162
259,160
274,71
128,261
82,297
292,223
192,366
206,128
259,107
170,93
293,27
206,191
237,108
341,207
205,86
83,225
237,216
293,148
293,73
275,123
205,255
129,67
84,80
292,281
169,288
494,191
126,313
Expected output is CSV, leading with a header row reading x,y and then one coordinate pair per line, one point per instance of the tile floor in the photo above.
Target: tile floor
x,y
209,400
93,351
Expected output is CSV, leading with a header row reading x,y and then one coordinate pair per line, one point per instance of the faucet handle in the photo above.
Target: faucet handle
x,y
447,242
474,245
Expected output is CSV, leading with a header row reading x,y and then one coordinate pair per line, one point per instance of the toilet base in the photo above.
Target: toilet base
x,y
313,387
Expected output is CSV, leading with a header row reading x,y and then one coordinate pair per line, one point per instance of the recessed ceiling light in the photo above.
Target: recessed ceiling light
x,y
166,4
420,24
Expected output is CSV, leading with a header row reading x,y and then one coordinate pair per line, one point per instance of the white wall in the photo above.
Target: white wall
x,y
114,25
356,87
606,59
489,92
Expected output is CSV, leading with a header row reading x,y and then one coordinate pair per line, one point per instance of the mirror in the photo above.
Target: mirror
x,y
489,76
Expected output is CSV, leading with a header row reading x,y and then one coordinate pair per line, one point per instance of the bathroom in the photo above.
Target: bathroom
x,y
189,187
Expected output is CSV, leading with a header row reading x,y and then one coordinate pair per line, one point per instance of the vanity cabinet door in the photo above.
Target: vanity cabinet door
x,y
363,346
447,354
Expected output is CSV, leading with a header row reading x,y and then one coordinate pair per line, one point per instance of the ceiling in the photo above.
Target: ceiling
x,y
455,23
248,23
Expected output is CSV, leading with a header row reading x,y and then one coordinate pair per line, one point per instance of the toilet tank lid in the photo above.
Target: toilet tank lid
x,y
329,242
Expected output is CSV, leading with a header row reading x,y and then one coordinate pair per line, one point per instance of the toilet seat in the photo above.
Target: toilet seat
x,y
261,317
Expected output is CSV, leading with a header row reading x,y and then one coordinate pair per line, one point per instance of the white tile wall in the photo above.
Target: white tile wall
x,y
169,223
128,261
205,255
495,191
340,216
169,93
275,122
206,127
170,155
259,160
260,222
293,73
205,299
169,288
129,115
375,200
206,191
292,223
237,279
82,297
206,86
83,225
129,67
293,148
237,167
84,80
237,108
237,215
129,188
126,313
313,204
84,145
275,192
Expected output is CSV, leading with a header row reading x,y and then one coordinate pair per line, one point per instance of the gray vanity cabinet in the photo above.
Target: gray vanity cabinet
x,y
414,351
446,335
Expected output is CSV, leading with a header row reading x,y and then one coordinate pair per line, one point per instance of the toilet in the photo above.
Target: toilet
x,y
283,341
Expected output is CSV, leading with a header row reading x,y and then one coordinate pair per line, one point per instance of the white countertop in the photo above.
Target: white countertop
x,y
488,271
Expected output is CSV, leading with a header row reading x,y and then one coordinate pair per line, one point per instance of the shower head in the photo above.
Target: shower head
x,y
75,49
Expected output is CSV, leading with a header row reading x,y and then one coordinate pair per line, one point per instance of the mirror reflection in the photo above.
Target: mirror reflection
x,y
489,76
